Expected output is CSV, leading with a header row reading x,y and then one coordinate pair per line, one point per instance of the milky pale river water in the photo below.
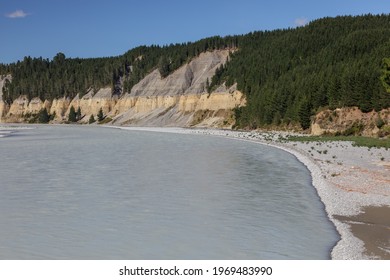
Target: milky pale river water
x,y
79,192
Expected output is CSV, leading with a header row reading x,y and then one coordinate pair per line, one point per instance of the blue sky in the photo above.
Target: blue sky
x,y
95,28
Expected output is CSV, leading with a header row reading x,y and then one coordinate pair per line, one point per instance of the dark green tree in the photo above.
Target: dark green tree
x,y
304,114
208,88
59,58
100,115
78,114
91,119
43,116
72,115
385,77
164,66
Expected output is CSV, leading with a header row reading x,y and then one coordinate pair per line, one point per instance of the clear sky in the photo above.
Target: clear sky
x,y
95,28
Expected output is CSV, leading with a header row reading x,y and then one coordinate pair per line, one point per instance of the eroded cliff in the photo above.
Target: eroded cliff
x,y
180,99
352,121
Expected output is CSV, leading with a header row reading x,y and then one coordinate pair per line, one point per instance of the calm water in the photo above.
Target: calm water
x,y
101,193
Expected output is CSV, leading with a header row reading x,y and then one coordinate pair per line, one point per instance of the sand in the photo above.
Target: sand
x,y
372,226
352,182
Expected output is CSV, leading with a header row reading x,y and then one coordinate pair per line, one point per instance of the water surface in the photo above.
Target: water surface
x,y
78,192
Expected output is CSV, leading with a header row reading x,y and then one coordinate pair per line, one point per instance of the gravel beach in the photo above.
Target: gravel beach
x,y
352,182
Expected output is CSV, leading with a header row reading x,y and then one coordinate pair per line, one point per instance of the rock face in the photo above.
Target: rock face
x,y
90,103
59,107
211,110
352,121
3,109
188,79
180,99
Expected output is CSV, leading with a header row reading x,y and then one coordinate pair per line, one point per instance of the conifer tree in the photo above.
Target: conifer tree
x,y
72,114
43,116
163,66
304,114
91,119
78,114
100,115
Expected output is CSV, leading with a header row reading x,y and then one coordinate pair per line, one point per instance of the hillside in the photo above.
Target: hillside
x,y
287,76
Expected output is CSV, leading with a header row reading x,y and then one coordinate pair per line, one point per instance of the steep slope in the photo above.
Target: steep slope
x,y
188,79
181,98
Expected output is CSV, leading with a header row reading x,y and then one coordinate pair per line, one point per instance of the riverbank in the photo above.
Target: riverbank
x,y
352,182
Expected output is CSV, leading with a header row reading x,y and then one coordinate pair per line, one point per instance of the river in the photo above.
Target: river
x,y
83,192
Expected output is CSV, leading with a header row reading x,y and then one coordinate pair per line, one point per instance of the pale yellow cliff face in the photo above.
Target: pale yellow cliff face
x,y
123,105
218,101
182,110
3,110
18,108
22,107
36,105
90,104
59,107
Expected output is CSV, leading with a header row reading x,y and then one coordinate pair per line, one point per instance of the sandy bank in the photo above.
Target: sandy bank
x,y
372,227
352,182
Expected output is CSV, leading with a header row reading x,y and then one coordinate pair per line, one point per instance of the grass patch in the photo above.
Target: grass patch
x,y
359,141
106,120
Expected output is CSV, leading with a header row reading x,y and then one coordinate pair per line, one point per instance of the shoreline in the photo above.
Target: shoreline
x,y
351,182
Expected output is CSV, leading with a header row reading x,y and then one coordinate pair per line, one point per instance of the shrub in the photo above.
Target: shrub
x,y
380,122
355,129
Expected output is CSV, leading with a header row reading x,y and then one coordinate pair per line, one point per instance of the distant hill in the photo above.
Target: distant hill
x,y
286,75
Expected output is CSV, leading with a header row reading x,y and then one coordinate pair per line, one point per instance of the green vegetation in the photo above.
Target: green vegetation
x,y
359,141
380,123
287,75
72,115
355,129
105,120
330,63
385,77
91,119
100,115
78,114
43,116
